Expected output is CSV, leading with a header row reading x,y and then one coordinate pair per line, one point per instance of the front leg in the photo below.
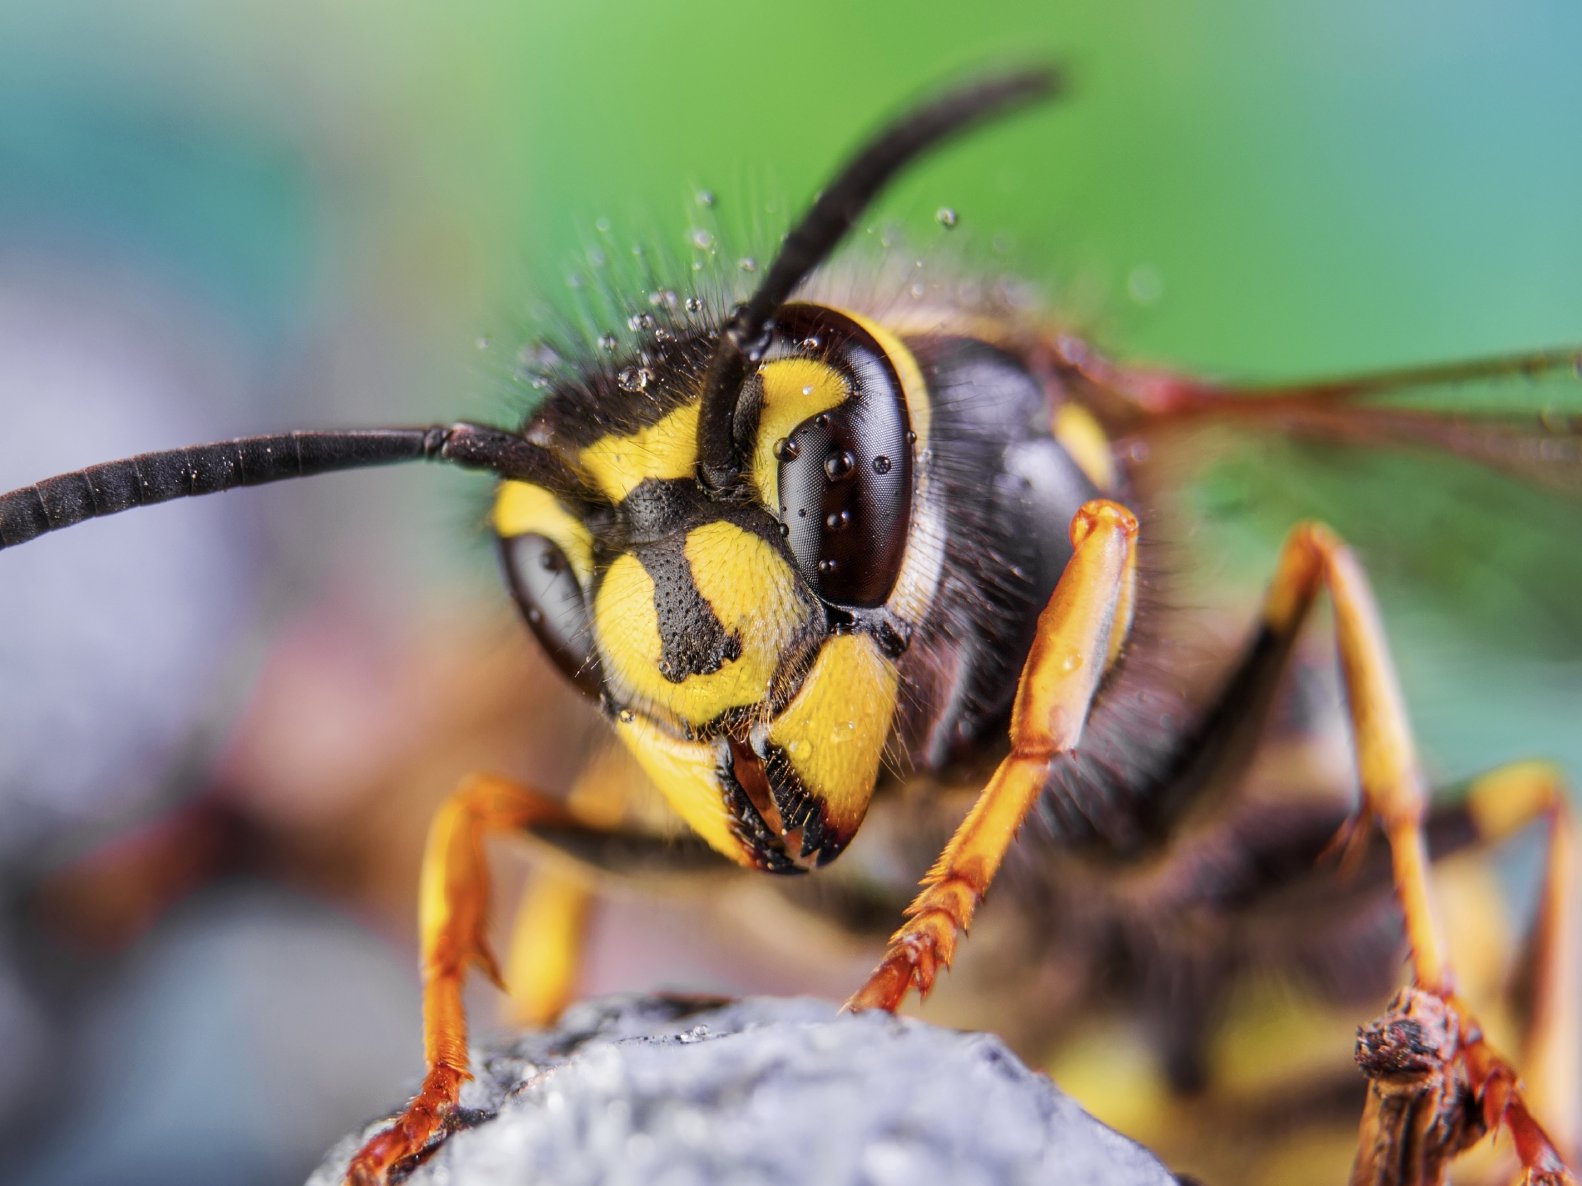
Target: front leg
x,y
1080,634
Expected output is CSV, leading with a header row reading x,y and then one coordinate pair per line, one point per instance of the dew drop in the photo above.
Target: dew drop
x,y
706,199
911,437
811,342
821,420
827,567
634,378
694,305
701,239
627,716
747,264
808,390
787,449
946,217
839,465
881,464
608,343
837,520
785,528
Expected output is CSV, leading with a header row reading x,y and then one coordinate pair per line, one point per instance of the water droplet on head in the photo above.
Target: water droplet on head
x,y
694,305
911,437
837,520
821,420
881,464
785,528
701,239
634,378
787,449
608,343
946,217
827,567
808,390
811,343
839,465
627,716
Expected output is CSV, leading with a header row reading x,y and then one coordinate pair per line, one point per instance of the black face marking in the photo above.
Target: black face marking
x,y
846,474
551,600
692,640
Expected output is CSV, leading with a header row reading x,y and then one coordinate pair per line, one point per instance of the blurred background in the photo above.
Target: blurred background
x,y
224,723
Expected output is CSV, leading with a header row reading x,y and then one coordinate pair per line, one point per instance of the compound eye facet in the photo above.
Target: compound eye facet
x,y
551,600
845,483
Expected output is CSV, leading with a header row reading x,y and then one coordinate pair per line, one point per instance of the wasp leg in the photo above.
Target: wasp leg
x,y
1393,795
452,912
547,945
1500,804
1080,633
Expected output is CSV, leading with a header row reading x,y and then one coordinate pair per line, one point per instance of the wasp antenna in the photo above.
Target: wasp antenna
x,y
825,224
148,478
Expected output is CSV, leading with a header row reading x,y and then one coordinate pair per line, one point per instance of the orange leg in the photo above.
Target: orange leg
x,y
1403,1146
1080,633
453,912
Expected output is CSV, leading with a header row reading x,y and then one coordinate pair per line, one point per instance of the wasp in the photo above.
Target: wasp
x,y
852,569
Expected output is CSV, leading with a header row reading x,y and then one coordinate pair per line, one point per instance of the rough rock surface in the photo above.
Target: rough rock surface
x,y
764,1092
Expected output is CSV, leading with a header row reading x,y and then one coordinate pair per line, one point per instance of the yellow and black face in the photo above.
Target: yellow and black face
x,y
745,647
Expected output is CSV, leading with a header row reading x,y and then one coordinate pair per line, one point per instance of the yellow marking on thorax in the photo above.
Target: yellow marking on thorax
x,y
753,593
666,449
794,389
685,773
834,730
1078,433
521,508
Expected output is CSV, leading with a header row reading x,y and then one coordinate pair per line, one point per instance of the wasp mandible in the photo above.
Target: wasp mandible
x,y
811,549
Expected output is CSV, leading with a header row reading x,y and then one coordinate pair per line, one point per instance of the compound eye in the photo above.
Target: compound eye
x,y
551,600
846,485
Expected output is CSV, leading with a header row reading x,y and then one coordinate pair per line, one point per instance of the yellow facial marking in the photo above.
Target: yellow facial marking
x,y
794,389
685,773
1080,436
521,508
834,730
752,592
667,449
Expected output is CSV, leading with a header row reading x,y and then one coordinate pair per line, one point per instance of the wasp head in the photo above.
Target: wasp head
x,y
745,646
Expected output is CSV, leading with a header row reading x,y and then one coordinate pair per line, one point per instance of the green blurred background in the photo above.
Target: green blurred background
x,y
324,214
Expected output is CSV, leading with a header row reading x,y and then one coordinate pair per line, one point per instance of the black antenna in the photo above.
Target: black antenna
x,y
832,214
251,461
